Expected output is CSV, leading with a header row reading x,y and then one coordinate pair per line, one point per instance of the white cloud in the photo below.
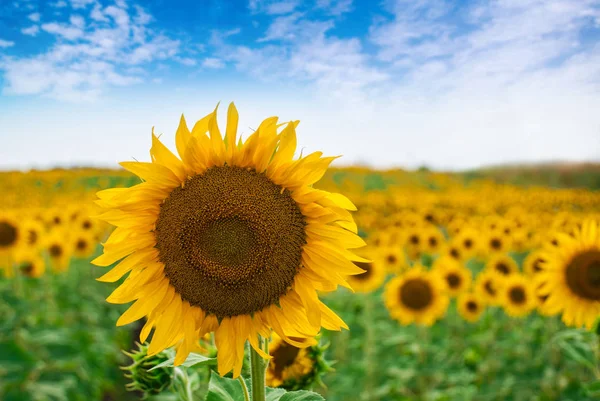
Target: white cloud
x,y
79,4
31,31
77,21
213,62
35,17
68,32
86,58
58,4
282,7
6,43
335,7
190,62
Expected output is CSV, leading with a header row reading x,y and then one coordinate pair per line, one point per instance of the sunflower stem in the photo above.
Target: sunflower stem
x,y
258,367
244,388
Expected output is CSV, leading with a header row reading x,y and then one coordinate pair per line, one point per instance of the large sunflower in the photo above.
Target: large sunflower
x,y
231,238
417,296
570,276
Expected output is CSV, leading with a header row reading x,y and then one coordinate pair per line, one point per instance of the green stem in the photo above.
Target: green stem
x,y
258,367
183,381
244,387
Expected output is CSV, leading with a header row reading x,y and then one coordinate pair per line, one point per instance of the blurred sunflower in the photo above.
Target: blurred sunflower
x,y
517,296
231,239
434,241
488,285
533,263
33,234
83,244
458,278
371,279
30,264
496,242
502,264
468,242
294,368
470,306
417,296
10,234
59,248
390,259
570,276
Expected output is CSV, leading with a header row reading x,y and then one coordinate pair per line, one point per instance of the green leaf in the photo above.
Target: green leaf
x,y
224,389
192,360
593,389
301,395
274,394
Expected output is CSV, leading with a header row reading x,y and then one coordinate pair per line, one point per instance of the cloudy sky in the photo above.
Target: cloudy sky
x,y
449,84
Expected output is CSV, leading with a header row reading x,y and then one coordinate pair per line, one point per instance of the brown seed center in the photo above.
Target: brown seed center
x,y
583,275
231,240
454,280
27,268
56,251
283,356
503,268
416,293
367,267
8,234
495,243
517,295
472,306
489,288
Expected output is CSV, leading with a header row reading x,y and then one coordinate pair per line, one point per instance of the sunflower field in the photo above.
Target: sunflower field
x,y
459,286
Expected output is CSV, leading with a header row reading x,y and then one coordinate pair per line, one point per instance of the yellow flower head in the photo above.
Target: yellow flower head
x,y
230,237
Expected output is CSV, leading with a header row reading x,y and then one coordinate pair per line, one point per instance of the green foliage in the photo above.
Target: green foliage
x,y
226,389
497,358
58,340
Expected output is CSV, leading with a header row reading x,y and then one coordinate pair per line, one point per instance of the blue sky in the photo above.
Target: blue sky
x,y
450,84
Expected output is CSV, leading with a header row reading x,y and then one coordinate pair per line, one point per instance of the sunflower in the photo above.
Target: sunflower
x,y
10,235
488,285
30,264
378,239
496,242
502,264
59,249
389,259
570,276
468,242
414,243
372,277
517,296
232,239
434,240
56,218
83,244
33,232
417,296
533,263
458,278
470,306
294,368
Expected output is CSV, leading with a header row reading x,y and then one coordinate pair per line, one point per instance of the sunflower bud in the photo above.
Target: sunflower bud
x,y
142,379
